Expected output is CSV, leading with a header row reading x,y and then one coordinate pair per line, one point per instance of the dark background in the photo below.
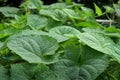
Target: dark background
x,y
88,3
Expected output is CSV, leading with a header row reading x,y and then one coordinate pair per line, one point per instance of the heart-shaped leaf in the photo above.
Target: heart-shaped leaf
x,y
91,65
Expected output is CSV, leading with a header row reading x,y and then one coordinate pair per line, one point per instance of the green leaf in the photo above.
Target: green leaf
x,y
1,44
53,23
34,4
96,40
49,13
109,9
87,12
27,32
89,24
34,48
73,52
58,6
3,73
68,1
19,22
24,71
56,14
110,31
6,31
62,33
97,10
9,11
60,15
117,9
36,21
101,43
92,65
72,14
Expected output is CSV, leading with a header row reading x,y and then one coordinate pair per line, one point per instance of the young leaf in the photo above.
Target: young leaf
x,y
109,9
97,10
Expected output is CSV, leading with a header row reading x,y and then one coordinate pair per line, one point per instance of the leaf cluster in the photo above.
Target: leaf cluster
x,y
57,42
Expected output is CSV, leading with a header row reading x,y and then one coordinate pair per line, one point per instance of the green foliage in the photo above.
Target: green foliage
x,y
61,41
36,21
34,48
97,10
9,11
117,9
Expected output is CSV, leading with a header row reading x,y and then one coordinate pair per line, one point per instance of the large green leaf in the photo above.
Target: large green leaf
x,y
34,48
62,33
96,40
9,11
91,65
36,21
101,43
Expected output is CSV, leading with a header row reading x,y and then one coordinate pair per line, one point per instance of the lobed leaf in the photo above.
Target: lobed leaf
x,y
93,64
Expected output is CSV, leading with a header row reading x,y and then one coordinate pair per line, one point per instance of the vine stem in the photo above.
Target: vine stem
x,y
105,21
